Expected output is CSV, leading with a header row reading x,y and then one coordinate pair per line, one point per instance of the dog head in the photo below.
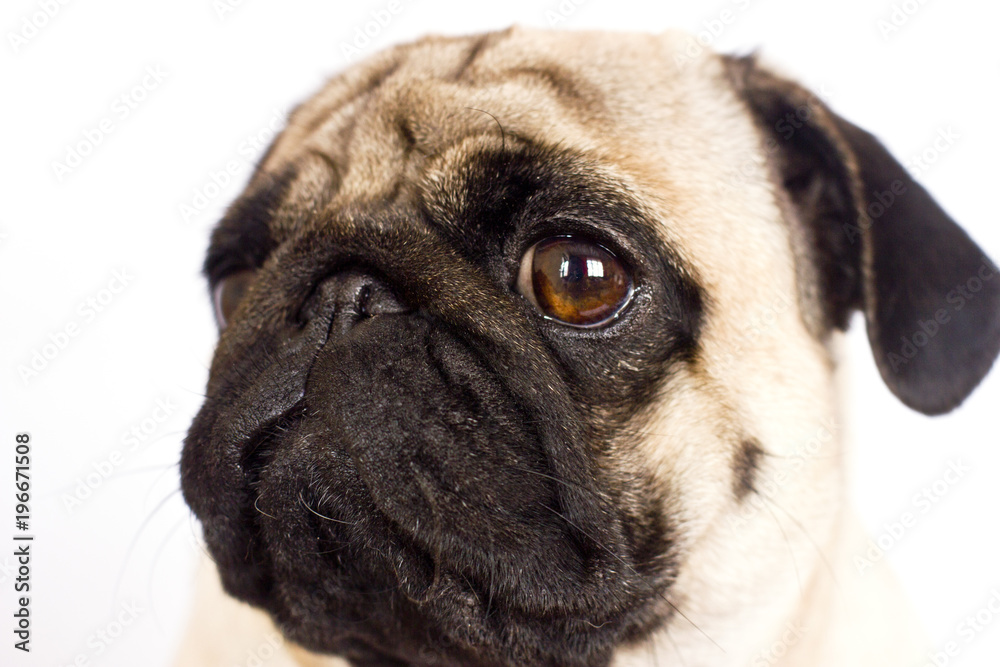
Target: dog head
x,y
512,327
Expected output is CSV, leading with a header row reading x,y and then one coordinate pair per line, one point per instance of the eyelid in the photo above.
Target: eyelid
x,y
242,279
523,281
220,319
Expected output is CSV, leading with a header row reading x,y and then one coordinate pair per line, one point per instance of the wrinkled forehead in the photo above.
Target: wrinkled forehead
x,y
561,87
666,124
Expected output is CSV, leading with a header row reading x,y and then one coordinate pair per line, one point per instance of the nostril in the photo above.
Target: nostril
x,y
349,296
376,298
363,298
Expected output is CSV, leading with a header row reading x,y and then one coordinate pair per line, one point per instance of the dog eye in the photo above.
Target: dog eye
x,y
574,281
228,294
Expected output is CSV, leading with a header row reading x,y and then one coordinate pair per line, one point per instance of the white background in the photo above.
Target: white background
x,y
226,75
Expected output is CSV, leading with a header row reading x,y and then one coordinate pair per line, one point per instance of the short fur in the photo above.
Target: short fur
x,y
402,462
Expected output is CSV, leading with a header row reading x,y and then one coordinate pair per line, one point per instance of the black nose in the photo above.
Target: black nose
x,y
349,297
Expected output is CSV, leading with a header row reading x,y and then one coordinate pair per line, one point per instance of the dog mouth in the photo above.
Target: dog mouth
x,y
387,493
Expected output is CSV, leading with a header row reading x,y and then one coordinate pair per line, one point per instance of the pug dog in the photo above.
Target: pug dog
x,y
527,357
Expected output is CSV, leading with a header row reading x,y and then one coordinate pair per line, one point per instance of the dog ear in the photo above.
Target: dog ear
x,y
881,244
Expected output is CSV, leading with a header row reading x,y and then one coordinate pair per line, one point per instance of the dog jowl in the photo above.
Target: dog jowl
x,y
475,399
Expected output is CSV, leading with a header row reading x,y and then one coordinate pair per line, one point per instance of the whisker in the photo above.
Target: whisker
x,y
572,485
503,135
800,457
135,540
809,537
788,543
322,516
144,469
197,541
152,569
257,507
152,485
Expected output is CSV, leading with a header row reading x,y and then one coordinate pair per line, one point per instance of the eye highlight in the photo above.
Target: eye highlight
x,y
574,281
228,294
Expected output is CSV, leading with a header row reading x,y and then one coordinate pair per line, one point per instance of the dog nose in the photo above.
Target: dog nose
x,y
350,296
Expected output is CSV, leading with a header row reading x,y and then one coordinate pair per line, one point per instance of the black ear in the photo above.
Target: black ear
x,y
881,244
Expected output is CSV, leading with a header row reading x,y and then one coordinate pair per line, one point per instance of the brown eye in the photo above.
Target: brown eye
x,y
228,294
574,281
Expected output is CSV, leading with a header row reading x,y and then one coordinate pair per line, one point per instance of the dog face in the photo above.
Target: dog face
x,y
515,326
